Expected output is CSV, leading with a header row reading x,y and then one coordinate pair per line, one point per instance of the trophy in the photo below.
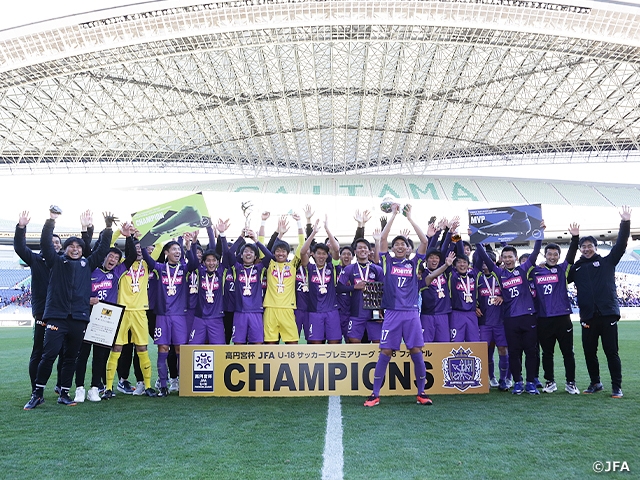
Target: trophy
x,y
386,204
246,211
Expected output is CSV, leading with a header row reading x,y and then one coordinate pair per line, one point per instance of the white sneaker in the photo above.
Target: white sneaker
x,y
80,395
571,388
174,385
509,382
94,394
550,387
139,390
494,383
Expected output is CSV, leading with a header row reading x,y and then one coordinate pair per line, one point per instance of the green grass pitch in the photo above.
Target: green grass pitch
x,y
493,436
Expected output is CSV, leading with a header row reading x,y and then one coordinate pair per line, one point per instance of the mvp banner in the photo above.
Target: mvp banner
x,y
346,369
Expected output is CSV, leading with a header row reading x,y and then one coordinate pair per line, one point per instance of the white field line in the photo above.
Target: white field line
x,y
333,459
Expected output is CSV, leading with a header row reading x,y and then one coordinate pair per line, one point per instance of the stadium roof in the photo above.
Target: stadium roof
x,y
271,87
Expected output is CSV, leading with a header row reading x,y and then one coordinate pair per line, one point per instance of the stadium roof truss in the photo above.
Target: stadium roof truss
x,y
260,87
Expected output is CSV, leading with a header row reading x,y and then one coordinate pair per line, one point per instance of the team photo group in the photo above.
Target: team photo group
x,y
420,286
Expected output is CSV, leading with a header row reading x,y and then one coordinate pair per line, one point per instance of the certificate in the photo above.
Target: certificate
x,y
104,323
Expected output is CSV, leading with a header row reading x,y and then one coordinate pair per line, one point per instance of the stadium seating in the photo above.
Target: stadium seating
x,y
11,277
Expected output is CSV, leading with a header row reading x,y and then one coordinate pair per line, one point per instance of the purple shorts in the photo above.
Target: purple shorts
x,y
435,328
171,330
324,326
356,328
398,325
374,330
207,331
302,321
190,315
248,327
493,333
464,326
344,325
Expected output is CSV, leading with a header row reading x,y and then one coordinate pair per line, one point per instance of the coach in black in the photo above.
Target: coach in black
x,y
594,277
67,307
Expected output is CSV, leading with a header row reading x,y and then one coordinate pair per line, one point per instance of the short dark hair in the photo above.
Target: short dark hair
x,y
346,247
281,244
252,247
210,252
588,238
362,240
552,246
115,250
400,237
509,248
434,251
461,257
320,246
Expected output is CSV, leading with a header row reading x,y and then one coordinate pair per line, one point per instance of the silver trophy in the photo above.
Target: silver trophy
x,y
246,211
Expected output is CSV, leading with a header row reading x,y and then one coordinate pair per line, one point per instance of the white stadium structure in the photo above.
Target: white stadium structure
x,y
341,100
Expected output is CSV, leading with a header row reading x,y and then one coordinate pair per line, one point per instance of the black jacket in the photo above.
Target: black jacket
x,y
595,279
70,282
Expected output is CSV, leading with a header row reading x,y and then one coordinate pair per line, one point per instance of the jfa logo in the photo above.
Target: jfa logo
x,y
202,371
610,466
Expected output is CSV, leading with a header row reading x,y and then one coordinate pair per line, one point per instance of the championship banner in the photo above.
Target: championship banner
x,y
104,323
322,370
506,224
163,222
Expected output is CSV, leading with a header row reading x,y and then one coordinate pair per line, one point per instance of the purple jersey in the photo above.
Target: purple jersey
x,y
436,298
192,281
343,298
248,285
516,291
152,290
172,286
463,290
229,297
350,276
322,287
551,290
400,282
302,289
488,288
104,284
210,300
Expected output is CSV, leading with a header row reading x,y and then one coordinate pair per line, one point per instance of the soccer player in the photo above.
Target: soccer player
x,y
400,301
324,319
104,286
280,297
171,322
594,277
491,322
463,321
436,300
554,311
67,306
520,320
248,326
353,279
133,294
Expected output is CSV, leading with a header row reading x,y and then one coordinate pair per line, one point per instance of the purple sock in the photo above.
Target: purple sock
x,y
163,371
420,370
503,364
491,364
379,373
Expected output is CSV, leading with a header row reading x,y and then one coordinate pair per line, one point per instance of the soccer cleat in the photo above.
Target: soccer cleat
x,y
101,389
616,393
34,401
64,399
187,216
150,392
531,389
80,395
163,392
174,385
494,383
518,388
570,387
157,385
422,399
139,390
537,382
372,401
550,387
509,382
518,224
108,394
593,388
94,394
502,386
57,390
124,386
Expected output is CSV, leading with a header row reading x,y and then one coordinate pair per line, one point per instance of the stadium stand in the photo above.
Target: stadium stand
x,y
501,191
9,278
539,192
582,195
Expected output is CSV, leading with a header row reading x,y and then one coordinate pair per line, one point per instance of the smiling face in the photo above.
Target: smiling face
x,y
280,254
73,251
111,260
508,259
320,256
346,256
462,266
433,261
362,252
173,254
57,244
211,263
399,248
552,256
248,256
588,249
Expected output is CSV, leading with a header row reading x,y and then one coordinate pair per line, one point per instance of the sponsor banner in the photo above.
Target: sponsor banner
x,y
16,322
164,222
506,224
104,323
321,370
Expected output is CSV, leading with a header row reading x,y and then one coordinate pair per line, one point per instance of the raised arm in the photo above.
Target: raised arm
x,y
362,219
129,246
305,250
448,261
20,238
211,233
334,246
422,249
623,235
384,238
574,230
485,258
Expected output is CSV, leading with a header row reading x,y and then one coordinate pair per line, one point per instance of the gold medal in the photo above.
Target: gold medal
x,y
193,290
323,290
209,298
440,294
171,290
280,288
246,291
305,288
467,298
135,288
